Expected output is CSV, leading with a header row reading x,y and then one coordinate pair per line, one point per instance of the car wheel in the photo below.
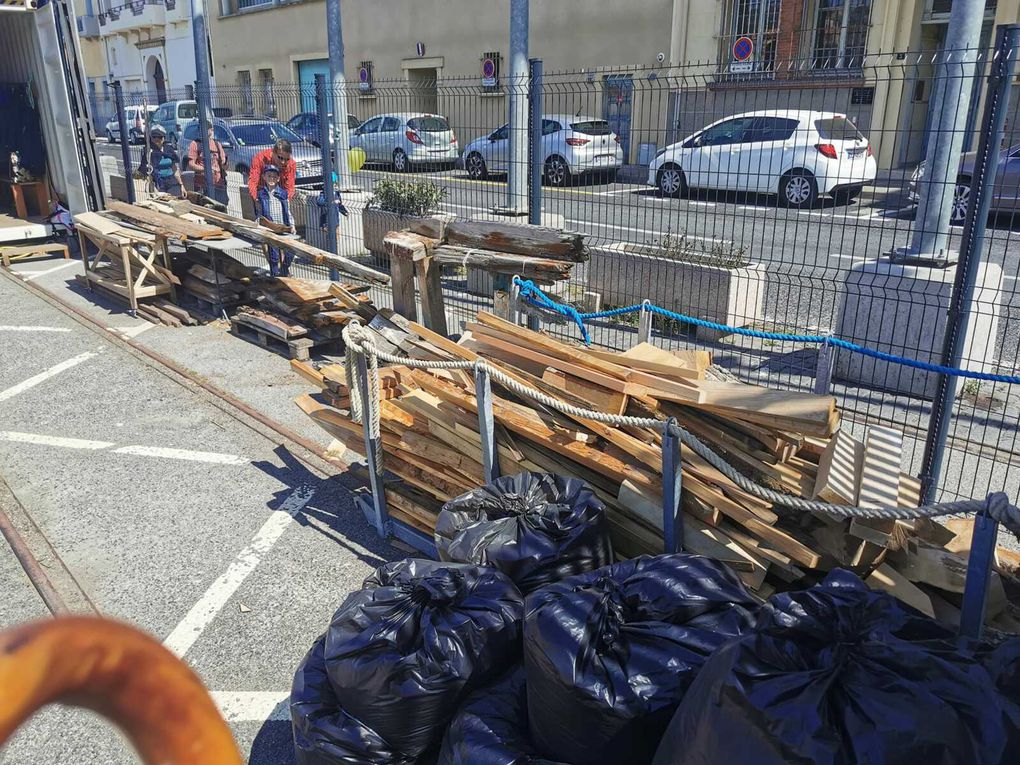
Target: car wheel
x,y
671,181
476,167
609,176
961,201
847,195
798,189
400,163
109,136
557,171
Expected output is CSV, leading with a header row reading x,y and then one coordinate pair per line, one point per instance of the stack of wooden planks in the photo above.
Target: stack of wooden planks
x,y
788,440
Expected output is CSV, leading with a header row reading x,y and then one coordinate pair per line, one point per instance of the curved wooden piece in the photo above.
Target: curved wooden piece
x,y
123,674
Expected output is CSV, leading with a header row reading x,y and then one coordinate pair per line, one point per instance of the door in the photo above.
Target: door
x,y
714,157
365,136
306,79
424,96
762,157
617,102
388,139
497,151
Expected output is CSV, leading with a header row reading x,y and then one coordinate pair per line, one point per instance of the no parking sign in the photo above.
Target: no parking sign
x,y
743,50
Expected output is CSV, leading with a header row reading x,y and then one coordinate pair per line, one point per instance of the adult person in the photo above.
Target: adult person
x,y
161,162
218,157
279,157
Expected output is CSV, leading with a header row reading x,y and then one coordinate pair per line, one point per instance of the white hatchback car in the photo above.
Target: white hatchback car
x,y
571,145
406,139
798,155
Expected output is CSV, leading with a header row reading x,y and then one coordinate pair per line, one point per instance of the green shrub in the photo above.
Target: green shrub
x,y
419,198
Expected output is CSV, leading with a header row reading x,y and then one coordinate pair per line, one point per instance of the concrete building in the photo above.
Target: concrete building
x,y
656,69
146,44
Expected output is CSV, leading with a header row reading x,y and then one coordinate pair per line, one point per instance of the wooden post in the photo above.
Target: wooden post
x,y
402,279
501,296
431,288
126,261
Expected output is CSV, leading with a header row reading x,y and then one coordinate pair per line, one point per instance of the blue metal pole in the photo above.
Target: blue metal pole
x,y
380,516
125,150
971,243
486,424
328,192
979,570
535,143
672,520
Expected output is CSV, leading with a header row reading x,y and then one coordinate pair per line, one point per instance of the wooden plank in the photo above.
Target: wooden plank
x,y
402,281
172,224
880,470
888,579
784,410
278,326
839,470
309,373
250,232
430,287
595,396
540,269
517,239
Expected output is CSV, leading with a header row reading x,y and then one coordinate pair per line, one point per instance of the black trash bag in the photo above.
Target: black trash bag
x,y
609,654
1003,664
404,651
839,675
323,733
491,727
536,528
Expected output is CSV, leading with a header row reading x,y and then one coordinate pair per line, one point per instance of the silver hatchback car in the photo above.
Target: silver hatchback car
x,y
406,139
571,145
244,137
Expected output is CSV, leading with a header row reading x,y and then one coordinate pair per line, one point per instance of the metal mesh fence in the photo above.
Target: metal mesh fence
x,y
763,199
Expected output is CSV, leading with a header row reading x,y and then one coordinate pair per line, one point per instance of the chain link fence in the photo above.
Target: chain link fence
x,y
765,199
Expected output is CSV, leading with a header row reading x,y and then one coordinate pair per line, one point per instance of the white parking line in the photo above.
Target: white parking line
x,y
699,203
182,454
161,452
645,231
31,382
252,706
33,329
41,440
211,603
37,274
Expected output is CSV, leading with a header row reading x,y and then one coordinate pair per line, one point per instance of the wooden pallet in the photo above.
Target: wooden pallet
x,y
297,348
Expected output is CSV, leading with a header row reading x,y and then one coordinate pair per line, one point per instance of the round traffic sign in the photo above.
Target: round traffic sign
x,y
488,68
363,74
420,48
743,47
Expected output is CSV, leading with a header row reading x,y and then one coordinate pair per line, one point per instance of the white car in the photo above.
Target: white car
x,y
134,118
406,139
798,155
571,145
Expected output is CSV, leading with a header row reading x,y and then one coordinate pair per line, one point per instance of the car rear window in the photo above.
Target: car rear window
x,y
428,124
591,127
838,129
187,111
263,134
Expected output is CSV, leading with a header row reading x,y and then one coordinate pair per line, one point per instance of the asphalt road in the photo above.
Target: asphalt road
x,y
167,509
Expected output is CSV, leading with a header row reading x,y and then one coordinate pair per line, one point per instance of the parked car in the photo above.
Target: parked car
x,y
1005,194
571,145
407,139
134,118
175,116
798,155
243,138
306,125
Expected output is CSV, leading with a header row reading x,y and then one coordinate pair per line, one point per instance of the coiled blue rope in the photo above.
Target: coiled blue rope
x,y
531,293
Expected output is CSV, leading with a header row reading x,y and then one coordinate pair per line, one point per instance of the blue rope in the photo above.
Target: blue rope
x,y
533,295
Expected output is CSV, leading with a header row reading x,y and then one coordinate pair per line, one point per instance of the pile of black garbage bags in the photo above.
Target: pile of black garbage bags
x,y
528,645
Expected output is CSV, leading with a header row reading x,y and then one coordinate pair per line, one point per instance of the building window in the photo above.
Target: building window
x,y
244,86
268,97
757,20
841,34
244,4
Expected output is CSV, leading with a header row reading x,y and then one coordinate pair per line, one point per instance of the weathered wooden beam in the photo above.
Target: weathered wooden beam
x,y
534,241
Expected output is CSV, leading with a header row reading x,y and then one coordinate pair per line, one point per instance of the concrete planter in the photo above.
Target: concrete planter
x,y
376,224
624,274
902,310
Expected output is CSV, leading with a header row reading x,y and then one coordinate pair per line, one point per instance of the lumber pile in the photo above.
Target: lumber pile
x,y
785,439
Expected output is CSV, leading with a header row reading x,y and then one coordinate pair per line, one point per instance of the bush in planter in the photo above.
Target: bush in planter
x,y
417,198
